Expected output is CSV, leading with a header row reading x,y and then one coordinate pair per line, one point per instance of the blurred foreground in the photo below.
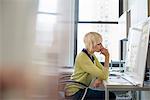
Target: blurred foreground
x,y
32,47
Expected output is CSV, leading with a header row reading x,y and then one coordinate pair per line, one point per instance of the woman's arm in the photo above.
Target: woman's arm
x,y
105,52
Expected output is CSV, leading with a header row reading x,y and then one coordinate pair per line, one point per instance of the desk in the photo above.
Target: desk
x,y
123,88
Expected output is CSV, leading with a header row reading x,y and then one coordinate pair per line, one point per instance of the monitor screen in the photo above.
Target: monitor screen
x,y
137,49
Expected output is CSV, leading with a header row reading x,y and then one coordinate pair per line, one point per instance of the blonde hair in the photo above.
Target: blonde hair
x,y
91,39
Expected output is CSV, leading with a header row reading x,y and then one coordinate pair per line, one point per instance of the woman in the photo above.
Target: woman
x,y
88,68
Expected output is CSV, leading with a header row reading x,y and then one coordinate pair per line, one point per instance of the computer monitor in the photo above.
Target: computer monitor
x,y
137,51
147,71
148,56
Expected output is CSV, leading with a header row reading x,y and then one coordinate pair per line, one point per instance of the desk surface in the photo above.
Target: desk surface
x,y
124,87
117,82
127,87
121,87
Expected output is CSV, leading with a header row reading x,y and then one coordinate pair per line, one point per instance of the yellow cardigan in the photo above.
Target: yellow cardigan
x,y
85,71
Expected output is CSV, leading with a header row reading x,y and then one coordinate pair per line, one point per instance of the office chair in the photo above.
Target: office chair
x,y
63,80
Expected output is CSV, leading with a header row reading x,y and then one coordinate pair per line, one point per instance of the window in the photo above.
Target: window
x,y
44,39
99,16
46,19
98,10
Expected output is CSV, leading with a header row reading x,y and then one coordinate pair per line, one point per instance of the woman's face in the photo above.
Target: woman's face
x,y
98,47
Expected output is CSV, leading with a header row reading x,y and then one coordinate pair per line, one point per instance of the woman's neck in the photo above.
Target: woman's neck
x,y
89,52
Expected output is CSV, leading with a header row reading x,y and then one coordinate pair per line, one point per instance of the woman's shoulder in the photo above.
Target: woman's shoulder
x,y
81,55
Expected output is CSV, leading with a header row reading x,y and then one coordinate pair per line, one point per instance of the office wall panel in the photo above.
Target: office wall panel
x,y
139,10
148,7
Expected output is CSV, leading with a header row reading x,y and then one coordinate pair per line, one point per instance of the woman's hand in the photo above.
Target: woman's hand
x,y
105,52
97,83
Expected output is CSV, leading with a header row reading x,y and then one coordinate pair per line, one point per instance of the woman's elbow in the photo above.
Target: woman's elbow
x,y
104,77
